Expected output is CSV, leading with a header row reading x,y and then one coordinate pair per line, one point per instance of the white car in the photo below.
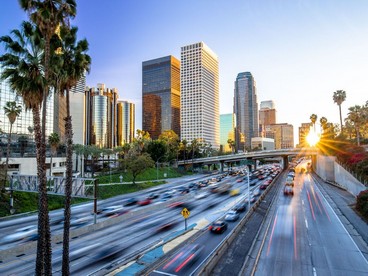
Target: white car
x,y
28,232
231,216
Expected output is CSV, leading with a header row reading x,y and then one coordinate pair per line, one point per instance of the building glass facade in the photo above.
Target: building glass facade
x,y
304,130
161,96
283,134
125,122
24,122
226,130
245,110
199,77
101,123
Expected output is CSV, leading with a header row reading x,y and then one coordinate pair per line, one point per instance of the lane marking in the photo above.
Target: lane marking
x,y
164,273
310,204
306,223
273,229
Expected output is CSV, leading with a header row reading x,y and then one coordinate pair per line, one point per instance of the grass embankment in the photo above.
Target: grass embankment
x,y
28,202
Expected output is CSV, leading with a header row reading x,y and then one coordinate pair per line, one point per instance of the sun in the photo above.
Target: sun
x,y
312,138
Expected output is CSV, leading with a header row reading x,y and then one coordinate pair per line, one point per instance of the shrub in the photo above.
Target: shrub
x,y
362,203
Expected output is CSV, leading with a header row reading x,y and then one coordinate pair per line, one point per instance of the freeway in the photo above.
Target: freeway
x,y
93,251
305,237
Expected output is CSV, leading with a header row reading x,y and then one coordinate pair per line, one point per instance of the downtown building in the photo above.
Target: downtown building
x,y
304,130
226,131
161,96
245,110
125,122
267,116
200,112
101,119
283,135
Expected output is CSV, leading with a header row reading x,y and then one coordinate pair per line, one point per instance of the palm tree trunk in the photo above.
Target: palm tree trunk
x,y
43,259
340,118
68,185
7,159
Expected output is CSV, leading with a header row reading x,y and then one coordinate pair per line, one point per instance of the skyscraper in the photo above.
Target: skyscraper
x,y
101,105
267,115
125,122
303,133
246,110
200,115
161,96
283,134
226,130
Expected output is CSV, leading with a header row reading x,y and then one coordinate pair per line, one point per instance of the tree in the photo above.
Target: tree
x,y
313,119
141,140
231,145
70,65
356,117
157,150
194,145
136,164
171,140
339,97
12,110
48,15
54,141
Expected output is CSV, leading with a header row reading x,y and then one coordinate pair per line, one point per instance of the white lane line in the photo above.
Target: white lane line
x,y
306,223
314,271
164,273
302,202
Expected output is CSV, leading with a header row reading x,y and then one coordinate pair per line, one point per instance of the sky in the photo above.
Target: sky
x,y
298,51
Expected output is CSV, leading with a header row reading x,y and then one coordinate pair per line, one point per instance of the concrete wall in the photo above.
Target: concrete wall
x,y
331,171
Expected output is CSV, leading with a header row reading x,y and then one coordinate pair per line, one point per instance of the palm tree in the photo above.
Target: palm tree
x,y
339,97
71,66
313,119
356,117
48,15
12,110
231,143
54,141
24,71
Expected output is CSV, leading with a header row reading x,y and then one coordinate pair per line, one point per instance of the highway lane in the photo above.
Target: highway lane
x,y
124,238
305,237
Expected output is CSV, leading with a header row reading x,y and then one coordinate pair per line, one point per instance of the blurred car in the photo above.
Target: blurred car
x,y
131,201
144,202
153,196
263,186
218,227
79,222
232,216
184,258
256,192
166,196
112,211
240,207
234,192
252,199
288,190
24,233
239,180
183,190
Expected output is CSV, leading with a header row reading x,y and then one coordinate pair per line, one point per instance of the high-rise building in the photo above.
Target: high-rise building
x,y
267,115
226,130
101,103
24,122
77,112
283,134
199,77
303,133
125,122
161,96
246,110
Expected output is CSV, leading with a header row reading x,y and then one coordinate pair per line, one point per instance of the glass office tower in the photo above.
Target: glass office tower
x,y
101,105
226,130
161,96
199,82
246,110
125,122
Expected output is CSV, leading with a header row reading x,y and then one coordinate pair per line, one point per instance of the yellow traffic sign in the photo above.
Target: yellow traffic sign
x,y
185,213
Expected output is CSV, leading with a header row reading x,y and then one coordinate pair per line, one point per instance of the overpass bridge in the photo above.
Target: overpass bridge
x,y
250,156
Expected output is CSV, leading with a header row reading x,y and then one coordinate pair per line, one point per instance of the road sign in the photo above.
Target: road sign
x,y
185,213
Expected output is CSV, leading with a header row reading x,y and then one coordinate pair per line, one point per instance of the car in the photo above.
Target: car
x,y
153,196
144,202
232,216
263,186
252,199
112,211
240,207
131,201
288,190
234,192
183,190
24,233
184,258
218,227
166,196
